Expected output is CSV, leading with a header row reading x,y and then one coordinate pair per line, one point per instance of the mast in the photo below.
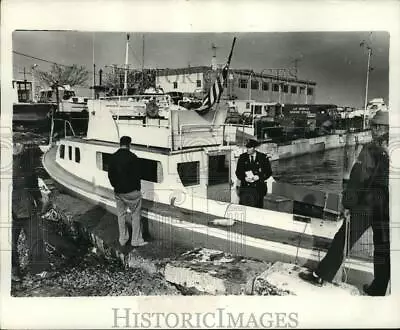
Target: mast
x,y
126,66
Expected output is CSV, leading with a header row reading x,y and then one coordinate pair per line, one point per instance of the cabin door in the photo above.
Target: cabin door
x,y
219,173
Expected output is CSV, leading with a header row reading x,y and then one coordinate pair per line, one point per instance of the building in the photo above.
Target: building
x,y
22,91
241,85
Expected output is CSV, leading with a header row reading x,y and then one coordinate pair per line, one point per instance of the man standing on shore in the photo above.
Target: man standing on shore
x,y
124,174
253,169
26,208
366,200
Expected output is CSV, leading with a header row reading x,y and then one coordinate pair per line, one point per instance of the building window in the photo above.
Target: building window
x,y
275,87
62,151
198,83
286,88
254,84
70,152
256,109
293,89
189,173
242,83
247,105
77,155
310,91
175,84
265,86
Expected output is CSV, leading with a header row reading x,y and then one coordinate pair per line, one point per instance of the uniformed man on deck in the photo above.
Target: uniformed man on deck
x,y
253,169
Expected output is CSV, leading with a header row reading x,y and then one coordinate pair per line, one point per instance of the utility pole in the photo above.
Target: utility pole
x,y
366,45
143,63
126,66
34,66
366,86
94,81
249,84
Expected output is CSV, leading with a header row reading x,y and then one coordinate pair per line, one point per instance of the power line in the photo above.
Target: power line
x,y
40,59
44,60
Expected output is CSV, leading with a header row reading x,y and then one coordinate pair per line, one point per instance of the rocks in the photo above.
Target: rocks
x,y
213,272
285,278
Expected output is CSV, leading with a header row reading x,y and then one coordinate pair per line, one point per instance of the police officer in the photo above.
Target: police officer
x,y
253,169
366,200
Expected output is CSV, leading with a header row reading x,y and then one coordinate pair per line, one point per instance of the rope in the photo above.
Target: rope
x,y
346,247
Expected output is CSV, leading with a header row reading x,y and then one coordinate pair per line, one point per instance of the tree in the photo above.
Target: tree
x,y
137,81
64,75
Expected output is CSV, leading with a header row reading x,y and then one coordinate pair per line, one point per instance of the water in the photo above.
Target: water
x,y
322,170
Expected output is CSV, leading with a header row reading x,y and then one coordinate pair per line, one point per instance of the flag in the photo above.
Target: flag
x,y
217,88
215,92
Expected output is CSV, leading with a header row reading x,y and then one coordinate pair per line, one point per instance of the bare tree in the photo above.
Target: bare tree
x,y
137,80
64,75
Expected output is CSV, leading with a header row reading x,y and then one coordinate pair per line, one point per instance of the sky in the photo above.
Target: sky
x,y
334,60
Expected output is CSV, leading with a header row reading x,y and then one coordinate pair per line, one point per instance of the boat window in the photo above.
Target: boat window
x,y
151,170
265,86
62,151
198,83
189,173
77,155
70,152
175,84
310,91
293,89
102,160
275,87
218,169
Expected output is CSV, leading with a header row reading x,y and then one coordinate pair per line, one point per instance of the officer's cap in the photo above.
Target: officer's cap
x,y
252,143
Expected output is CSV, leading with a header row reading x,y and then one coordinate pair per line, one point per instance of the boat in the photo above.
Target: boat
x,y
27,113
189,181
69,107
189,185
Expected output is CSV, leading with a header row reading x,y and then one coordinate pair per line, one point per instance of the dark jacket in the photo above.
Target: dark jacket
x,y
25,182
368,187
124,171
260,167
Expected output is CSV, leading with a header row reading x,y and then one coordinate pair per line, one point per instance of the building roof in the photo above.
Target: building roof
x,y
244,72
187,70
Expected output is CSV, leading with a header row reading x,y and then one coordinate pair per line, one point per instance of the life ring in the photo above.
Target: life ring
x,y
152,109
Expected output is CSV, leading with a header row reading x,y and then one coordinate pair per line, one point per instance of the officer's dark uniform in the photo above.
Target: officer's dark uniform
x,y
252,193
367,198
26,198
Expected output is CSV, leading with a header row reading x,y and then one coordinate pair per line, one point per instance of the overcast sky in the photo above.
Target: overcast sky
x,y
334,60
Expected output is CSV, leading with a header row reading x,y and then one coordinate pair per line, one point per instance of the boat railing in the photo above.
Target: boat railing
x,y
137,98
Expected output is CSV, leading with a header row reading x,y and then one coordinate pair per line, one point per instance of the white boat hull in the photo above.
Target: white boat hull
x,y
257,233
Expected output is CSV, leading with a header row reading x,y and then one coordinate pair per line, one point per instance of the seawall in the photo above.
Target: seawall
x,y
306,146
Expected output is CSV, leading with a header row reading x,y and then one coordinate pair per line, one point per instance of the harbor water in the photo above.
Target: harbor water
x,y
321,170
